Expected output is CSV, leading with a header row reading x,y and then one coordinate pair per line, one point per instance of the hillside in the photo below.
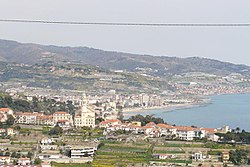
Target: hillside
x,y
11,51
75,77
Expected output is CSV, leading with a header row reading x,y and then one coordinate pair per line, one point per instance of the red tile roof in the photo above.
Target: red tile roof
x,y
209,130
185,128
4,109
110,121
166,126
60,112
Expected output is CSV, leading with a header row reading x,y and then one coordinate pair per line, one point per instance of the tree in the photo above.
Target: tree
x,y
146,119
35,104
239,157
17,127
29,155
57,130
10,120
70,107
37,161
8,101
98,120
13,155
22,105
237,130
7,154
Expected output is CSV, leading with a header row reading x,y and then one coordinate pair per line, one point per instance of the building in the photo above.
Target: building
x,y
27,117
45,120
62,116
23,161
185,132
4,112
64,124
10,131
197,156
82,151
163,156
49,156
167,130
225,156
86,116
109,123
48,144
4,160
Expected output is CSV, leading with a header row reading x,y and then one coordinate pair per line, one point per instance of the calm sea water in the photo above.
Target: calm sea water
x,y
232,110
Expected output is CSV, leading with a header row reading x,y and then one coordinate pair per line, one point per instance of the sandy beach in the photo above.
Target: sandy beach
x,y
170,107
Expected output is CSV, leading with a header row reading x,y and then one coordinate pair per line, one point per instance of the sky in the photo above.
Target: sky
x,y
229,44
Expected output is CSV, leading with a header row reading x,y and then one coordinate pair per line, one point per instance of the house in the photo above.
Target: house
x,y
23,161
148,129
10,131
64,124
4,160
47,141
166,130
210,134
2,132
61,115
197,156
185,132
109,123
27,117
225,156
47,144
45,120
4,112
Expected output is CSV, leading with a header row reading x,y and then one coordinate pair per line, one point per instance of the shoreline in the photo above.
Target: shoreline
x,y
168,108
206,100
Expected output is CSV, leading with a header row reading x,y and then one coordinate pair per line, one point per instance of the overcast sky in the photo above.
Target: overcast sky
x,y
228,44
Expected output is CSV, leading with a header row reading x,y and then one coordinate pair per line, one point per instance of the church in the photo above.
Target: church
x,y
85,116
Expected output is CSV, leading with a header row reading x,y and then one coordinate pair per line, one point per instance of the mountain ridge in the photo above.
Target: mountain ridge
x,y
29,53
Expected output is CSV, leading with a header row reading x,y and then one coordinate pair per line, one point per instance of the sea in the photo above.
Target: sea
x,y
232,110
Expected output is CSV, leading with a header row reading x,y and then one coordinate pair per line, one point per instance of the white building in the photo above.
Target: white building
x,y
4,160
61,116
4,112
197,156
24,161
27,118
82,151
185,133
86,116
109,123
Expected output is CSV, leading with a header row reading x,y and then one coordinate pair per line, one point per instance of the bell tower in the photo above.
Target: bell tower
x,y
84,102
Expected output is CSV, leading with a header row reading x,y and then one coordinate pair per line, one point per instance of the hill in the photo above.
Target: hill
x,y
12,51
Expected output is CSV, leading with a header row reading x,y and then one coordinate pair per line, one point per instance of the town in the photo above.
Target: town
x,y
96,134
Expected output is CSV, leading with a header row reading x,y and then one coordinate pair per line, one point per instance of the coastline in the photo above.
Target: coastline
x,y
167,108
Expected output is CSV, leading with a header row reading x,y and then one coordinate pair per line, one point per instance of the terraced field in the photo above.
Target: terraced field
x,y
119,154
